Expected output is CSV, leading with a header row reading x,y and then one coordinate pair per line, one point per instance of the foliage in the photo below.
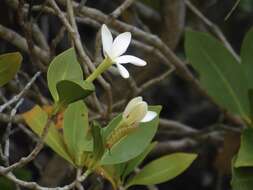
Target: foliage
x,y
88,145
230,84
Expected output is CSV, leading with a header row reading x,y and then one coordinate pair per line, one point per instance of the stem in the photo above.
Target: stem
x,y
107,62
84,176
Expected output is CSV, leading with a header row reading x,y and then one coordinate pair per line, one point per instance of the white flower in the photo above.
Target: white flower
x,y
115,48
137,111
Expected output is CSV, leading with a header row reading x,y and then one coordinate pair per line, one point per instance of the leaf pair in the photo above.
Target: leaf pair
x,y
65,79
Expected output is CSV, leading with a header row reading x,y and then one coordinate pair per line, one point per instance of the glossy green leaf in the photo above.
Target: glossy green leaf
x,y
71,91
126,148
132,164
247,56
36,119
242,178
76,130
220,74
9,66
163,169
63,67
245,154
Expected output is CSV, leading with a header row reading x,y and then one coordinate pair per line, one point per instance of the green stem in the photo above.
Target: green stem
x,y
107,62
84,176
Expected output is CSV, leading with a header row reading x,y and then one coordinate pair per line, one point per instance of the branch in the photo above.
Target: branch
x,y
25,160
117,12
20,42
21,94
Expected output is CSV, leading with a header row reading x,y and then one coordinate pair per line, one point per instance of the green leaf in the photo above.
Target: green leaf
x,y
242,178
132,164
245,154
99,149
76,130
126,148
250,96
112,125
123,169
71,91
163,169
9,66
220,74
63,67
247,56
36,119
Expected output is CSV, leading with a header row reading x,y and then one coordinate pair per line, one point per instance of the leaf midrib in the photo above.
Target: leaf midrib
x,y
229,88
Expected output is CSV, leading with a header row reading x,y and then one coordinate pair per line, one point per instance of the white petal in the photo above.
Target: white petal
x,y
123,71
131,105
130,59
120,44
149,116
137,113
107,40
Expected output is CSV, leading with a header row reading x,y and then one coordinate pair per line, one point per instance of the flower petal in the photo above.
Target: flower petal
x,y
149,116
123,71
120,44
131,106
137,113
130,59
107,40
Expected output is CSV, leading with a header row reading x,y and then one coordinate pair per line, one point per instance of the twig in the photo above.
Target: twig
x,y
20,42
117,12
34,185
233,9
6,118
175,125
8,132
213,27
57,40
21,94
154,81
23,161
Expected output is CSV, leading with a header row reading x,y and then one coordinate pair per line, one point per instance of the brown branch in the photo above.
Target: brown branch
x,y
117,12
20,42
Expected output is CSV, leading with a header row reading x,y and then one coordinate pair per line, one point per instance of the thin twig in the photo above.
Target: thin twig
x,y
21,94
23,161
8,132
213,27
117,12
